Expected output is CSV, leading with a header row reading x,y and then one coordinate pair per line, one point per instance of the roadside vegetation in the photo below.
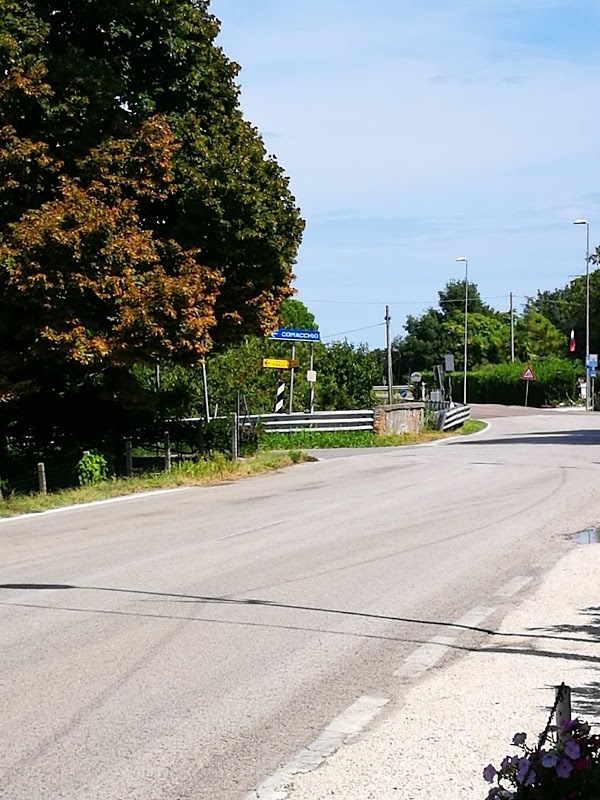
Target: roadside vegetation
x,y
335,439
137,298
203,472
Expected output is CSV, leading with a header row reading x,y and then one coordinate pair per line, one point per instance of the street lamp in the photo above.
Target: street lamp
x,y
587,312
462,258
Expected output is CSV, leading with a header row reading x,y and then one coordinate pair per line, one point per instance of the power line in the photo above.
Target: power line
x,y
355,330
402,302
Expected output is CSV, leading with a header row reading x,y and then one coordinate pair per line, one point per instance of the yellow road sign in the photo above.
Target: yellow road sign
x,y
280,363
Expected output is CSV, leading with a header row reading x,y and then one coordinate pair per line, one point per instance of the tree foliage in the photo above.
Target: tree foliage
x,y
542,330
537,337
438,332
565,308
139,213
141,218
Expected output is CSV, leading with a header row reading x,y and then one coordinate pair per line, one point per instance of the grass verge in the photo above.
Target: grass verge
x,y
335,439
471,426
189,473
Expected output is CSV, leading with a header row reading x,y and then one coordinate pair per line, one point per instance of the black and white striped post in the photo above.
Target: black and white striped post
x,y
279,392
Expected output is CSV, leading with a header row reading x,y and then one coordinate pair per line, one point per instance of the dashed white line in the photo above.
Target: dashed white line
x,y
512,587
425,657
431,652
344,727
474,617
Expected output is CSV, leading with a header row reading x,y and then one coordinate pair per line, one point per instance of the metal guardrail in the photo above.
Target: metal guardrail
x,y
437,405
452,417
355,420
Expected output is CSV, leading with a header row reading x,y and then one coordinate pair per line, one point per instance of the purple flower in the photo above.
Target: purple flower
x,y
519,738
572,749
570,725
564,768
489,773
525,774
549,758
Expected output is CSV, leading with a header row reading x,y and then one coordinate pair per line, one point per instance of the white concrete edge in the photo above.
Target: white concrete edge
x,y
392,449
93,503
459,437
347,725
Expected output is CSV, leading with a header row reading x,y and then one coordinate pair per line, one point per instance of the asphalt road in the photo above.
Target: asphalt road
x,y
187,645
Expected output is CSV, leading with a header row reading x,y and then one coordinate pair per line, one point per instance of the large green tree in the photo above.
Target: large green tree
x,y
565,308
436,332
121,126
140,215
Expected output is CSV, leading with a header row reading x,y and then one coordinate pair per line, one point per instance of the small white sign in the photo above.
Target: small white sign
x,y
311,375
415,377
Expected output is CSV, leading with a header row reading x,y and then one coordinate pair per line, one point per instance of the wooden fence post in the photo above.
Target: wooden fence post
x,y
41,471
167,452
128,458
563,706
234,435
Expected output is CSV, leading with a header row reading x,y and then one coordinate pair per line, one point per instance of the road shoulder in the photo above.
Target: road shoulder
x,y
462,716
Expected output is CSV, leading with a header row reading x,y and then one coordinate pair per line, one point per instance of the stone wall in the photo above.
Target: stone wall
x,y
408,417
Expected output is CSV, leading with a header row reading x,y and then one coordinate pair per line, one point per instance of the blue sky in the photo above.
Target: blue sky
x,y
416,132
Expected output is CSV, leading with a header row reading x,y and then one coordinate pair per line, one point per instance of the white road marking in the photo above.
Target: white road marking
x,y
465,438
345,726
473,617
78,506
425,657
514,586
431,652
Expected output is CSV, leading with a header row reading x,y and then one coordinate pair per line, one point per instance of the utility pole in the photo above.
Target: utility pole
x,y
512,329
466,347
390,374
588,378
205,386
292,379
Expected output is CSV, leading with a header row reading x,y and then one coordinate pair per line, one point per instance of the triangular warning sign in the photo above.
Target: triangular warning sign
x,y
528,375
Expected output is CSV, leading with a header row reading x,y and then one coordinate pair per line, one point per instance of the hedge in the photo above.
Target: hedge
x,y
555,382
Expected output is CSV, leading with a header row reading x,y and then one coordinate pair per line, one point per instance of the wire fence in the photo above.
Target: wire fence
x,y
150,451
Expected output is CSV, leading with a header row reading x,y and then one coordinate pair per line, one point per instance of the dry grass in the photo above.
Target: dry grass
x,y
197,473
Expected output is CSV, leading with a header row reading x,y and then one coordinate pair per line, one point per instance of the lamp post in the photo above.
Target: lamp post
x,y
588,392
466,263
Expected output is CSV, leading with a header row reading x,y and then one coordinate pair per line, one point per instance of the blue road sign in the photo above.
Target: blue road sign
x,y
592,360
295,335
592,372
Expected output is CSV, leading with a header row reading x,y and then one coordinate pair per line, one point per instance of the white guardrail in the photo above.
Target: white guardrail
x,y
361,420
452,417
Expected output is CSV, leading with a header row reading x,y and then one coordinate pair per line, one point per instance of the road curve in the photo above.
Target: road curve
x,y
188,645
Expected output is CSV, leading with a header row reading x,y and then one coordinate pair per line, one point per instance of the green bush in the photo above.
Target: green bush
x,y
92,468
555,382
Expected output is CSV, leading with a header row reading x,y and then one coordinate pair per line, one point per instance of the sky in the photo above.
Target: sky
x,y
417,132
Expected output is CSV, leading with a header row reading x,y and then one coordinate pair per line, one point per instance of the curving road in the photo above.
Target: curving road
x,y
187,645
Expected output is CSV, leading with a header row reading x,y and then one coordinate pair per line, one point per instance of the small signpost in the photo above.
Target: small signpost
x,y
279,363
294,335
592,363
527,375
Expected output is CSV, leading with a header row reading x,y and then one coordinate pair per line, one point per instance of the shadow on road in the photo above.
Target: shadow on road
x,y
539,437
586,698
559,632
